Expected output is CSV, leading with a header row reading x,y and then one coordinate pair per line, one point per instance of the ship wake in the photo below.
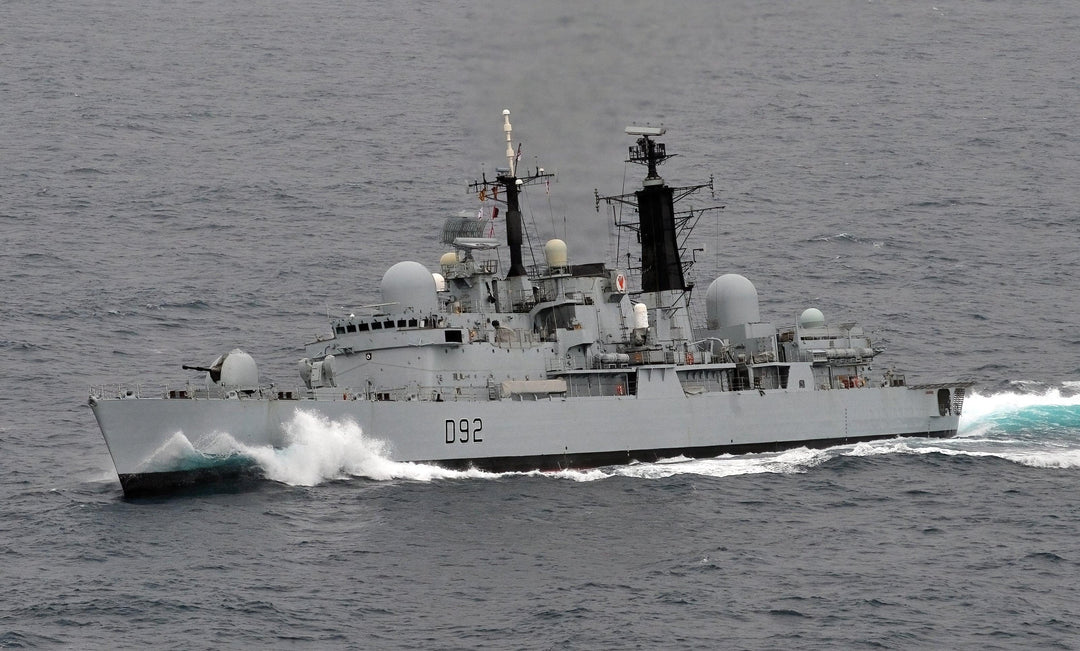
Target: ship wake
x,y
1036,429
1052,413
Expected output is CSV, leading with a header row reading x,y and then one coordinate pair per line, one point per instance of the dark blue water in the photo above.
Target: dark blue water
x,y
178,179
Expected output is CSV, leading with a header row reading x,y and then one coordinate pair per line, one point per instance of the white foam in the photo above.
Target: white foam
x,y
901,446
978,406
1060,459
591,474
973,429
170,454
787,462
320,449
1015,451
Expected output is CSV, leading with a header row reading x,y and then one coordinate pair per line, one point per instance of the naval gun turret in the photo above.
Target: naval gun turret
x,y
235,370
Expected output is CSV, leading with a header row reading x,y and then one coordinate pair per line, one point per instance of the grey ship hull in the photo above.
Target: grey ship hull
x,y
160,444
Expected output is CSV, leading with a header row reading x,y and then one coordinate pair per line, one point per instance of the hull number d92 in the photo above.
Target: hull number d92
x,y
464,430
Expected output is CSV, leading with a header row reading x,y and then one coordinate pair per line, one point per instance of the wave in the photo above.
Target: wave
x,y
1038,430
847,237
792,461
317,450
1024,456
1034,429
193,304
1051,413
320,449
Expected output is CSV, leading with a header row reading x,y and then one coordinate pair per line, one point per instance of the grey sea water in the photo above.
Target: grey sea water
x,y
178,179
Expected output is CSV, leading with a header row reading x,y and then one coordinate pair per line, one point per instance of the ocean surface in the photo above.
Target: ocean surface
x,y
181,178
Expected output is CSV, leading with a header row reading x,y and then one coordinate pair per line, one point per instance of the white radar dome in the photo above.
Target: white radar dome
x,y
811,318
555,253
408,286
440,282
448,258
731,300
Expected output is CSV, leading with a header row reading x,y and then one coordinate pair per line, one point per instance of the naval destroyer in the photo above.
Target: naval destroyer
x,y
548,366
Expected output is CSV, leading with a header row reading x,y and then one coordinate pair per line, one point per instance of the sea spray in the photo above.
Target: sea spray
x,y
320,449
175,453
1040,430
978,406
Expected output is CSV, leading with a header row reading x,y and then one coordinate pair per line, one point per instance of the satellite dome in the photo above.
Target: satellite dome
x,y
555,253
811,318
731,300
448,258
408,286
440,282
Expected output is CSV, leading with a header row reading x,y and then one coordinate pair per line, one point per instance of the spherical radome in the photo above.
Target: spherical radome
x,y
811,318
731,300
555,253
408,286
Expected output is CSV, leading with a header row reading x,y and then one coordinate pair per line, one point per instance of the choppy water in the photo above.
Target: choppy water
x,y
181,179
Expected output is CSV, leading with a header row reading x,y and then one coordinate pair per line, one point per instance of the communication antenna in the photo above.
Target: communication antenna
x,y
510,158
508,183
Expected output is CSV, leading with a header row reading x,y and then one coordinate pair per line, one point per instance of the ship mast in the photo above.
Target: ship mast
x,y
659,225
509,181
511,184
661,267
